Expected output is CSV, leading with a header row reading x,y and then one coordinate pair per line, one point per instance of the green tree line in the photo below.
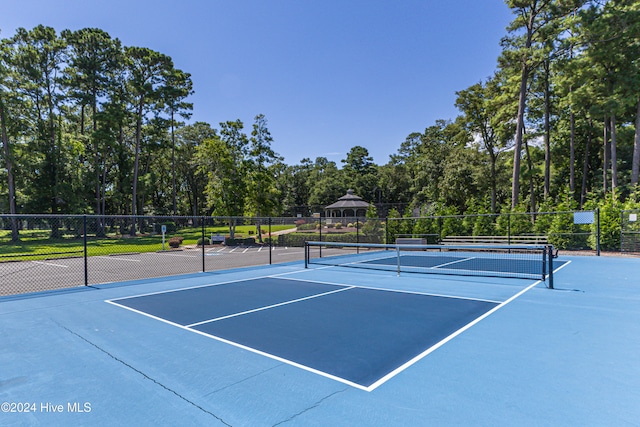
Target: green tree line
x,y
91,126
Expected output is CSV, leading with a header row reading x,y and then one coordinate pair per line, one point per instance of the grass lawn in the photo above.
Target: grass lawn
x,y
37,244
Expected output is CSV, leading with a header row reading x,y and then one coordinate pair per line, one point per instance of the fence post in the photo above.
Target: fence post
x,y
598,231
306,254
320,247
84,242
270,241
357,234
508,228
386,230
550,254
621,230
204,268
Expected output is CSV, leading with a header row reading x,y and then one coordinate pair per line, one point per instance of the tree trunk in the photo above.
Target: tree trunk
x,y
15,237
572,136
547,132
585,167
605,167
136,165
103,198
494,191
173,164
532,188
614,155
572,155
515,186
259,230
635,165
53,169
142,198
522,100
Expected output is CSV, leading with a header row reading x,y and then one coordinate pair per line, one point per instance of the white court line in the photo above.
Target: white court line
x,y
118,258
50,263
453,262
199,286
398,291
310,369
562,266
234,249
181,255
245,251
244,347
269,307
447,339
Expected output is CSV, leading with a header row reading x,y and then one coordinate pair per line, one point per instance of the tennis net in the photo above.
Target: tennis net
x,y
517,261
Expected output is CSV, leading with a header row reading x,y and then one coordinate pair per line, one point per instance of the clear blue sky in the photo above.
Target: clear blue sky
x,y
327,74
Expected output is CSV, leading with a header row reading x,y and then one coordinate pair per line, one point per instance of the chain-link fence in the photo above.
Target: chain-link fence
x,y
43,252
630,231
577,231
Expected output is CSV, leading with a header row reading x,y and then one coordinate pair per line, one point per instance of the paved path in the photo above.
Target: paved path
x,y
33,276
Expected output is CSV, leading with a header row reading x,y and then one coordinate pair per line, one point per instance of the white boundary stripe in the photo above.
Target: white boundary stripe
x,y
244,347
399,291
182,289
562,266
180,255
112,302
268,307
280,359
206,285
286,253
453,262
307,368
118,258
447,339
50,263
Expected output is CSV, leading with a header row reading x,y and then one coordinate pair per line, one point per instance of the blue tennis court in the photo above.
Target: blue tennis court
x,y
326,345
352,334
465,263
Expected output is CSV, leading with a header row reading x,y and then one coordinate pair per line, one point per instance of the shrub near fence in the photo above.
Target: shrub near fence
x,y
247,241
630,230
558,228
339,229
299,239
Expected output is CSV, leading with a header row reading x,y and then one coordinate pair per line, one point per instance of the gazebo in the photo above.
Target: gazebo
x,y
347,205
